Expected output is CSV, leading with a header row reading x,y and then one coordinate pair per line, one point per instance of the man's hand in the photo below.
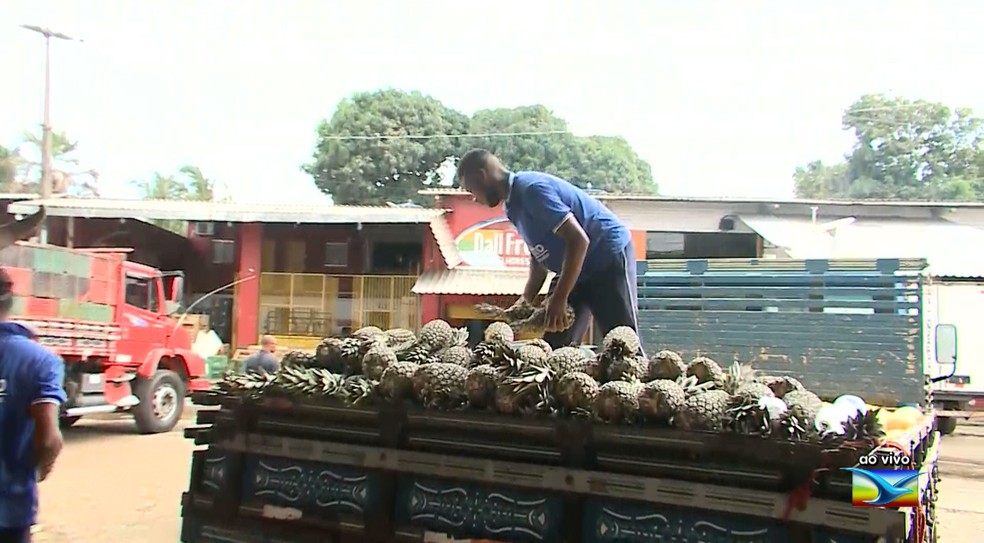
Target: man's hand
x,y
45,470
556,318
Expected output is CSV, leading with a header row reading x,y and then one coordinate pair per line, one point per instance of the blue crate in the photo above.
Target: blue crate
x,y
323,489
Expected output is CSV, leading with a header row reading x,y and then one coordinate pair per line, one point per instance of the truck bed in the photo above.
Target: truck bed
x,y
74,337
307,472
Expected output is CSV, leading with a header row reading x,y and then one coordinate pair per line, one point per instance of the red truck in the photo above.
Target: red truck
x,y
111,322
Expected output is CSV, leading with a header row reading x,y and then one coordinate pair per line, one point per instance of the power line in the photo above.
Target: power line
x,y
435,136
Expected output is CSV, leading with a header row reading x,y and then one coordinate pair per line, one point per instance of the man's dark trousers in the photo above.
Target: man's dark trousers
x,y
608,294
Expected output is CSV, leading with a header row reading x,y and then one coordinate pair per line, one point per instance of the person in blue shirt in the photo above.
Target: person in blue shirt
x,y
569,233
264,360
31,394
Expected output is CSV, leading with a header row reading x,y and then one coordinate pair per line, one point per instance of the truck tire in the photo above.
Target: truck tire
x,y
162,399
946,425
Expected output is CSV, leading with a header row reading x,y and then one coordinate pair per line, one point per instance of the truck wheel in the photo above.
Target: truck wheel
x,y
162,399
946,425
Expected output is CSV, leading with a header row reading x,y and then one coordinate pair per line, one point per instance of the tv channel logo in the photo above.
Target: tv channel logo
x,y
885,480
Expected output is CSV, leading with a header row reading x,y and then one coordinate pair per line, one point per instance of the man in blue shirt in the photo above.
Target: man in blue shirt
x,y
31,379
568,233
263,361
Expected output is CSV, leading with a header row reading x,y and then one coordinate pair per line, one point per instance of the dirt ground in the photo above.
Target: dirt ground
x,y
114,486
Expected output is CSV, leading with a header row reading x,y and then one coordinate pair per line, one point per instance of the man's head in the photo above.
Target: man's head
x,y
268,344
481,174
6,294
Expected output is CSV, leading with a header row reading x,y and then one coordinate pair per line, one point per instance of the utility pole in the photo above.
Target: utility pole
x,y
46,122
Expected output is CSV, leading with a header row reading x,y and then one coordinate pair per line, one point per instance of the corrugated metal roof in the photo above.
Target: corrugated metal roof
x,y
225,211
951,249
445,241
478,282
742,200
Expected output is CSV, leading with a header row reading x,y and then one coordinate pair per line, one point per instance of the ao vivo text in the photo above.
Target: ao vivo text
x,y
894,459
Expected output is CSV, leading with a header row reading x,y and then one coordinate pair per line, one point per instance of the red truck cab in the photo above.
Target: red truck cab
x,y
138,361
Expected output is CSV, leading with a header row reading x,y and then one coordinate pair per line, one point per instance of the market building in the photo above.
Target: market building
x,y
305,272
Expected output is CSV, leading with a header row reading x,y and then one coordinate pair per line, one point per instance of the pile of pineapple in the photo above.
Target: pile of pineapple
x,y
616,384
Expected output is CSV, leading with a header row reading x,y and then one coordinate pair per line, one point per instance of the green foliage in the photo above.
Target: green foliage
x,y
187,184
905,150
375,170
20,167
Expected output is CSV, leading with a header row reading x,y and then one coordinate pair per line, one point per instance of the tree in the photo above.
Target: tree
x,y
904,150
601,162
189,183
369,169
8,169
22,167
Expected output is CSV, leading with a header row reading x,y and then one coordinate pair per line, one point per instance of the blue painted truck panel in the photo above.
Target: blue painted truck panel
x,y
840,331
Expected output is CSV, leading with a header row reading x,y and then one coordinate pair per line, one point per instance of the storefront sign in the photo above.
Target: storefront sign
x,y
492,244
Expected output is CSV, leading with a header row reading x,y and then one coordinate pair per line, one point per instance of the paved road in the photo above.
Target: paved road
x,y
112,486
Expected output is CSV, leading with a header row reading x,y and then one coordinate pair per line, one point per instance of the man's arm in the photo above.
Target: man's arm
x,y
535,280
559,218
575,248
48,396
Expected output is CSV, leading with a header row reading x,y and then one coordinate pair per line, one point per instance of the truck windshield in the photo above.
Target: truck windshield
x,y
142,292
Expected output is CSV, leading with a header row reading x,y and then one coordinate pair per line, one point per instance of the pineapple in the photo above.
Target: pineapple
x,y
499,333
367,333
621,341
662,399
741,381
618,401
624,368
577,391
704,410
532,355
376,360
357,390
705,370
399,336
507,401
521,310
667,365
436,335
329,354
543,345
396,382
536,321
568,360
748,417
804,404
532,386
780,386
440,385
418,354
483,353
865,428
351,355
324,383
481,384
247,385
297,358
456,355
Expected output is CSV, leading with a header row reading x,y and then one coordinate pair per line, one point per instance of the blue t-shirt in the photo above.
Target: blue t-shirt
x,y
539,203
29,374
261,361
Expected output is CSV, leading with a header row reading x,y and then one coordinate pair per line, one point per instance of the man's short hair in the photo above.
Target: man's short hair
x,y
471,162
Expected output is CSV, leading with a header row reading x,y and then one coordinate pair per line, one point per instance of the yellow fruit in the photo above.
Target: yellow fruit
x,y
904,418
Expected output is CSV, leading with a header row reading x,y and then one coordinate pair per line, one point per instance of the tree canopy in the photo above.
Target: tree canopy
x,y
904,150
20,167
384,146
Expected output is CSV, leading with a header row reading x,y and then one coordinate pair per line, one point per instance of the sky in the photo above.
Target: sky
x,y
723,98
